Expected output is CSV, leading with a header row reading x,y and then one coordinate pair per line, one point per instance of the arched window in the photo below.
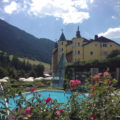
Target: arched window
x,y
91,52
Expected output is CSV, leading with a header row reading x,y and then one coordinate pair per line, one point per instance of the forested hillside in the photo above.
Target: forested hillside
x,y
18,42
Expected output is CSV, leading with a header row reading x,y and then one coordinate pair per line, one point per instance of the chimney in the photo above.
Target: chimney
x,y
96,37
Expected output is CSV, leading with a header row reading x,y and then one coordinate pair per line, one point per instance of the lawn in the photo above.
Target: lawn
x,y
35,62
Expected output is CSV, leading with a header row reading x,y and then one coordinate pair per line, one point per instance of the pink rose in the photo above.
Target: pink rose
x,y
91,95
96,78
74,83
106,74
27,110
58,113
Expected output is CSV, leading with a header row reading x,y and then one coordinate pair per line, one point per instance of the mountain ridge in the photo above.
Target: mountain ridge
x,y
22,44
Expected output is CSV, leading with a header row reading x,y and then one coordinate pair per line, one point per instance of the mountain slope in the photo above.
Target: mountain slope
x,y
18,42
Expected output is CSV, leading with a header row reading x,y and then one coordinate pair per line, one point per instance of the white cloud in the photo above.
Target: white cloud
x,y
1,18
70,11
5,1
111,33
113,17
12,7
91,1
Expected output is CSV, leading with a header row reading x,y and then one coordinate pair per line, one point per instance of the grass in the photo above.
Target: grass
x,y
35,62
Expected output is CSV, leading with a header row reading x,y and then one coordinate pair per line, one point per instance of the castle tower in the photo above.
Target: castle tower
x,y
61,45
78,42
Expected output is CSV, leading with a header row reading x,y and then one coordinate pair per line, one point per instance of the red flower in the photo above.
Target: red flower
x,y
48,100
93,89
32,90
27,110
39,95
61,110
93,117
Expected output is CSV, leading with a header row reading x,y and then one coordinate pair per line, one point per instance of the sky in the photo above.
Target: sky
x,y
47,18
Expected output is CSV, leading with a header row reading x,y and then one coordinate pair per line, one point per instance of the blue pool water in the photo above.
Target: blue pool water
x,y
60,96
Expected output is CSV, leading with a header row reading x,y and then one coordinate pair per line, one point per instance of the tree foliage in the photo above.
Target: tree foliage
x,y
114,53
15,68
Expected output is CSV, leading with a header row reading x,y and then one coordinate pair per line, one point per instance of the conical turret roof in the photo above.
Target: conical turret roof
x,y
62,37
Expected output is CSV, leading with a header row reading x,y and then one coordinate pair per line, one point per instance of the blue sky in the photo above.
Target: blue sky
x,y
46,18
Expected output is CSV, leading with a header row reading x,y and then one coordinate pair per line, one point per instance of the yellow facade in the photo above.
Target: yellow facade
x,y
81,49
61,48
100,50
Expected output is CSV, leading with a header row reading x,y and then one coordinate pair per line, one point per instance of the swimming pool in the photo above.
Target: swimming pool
x,y
60,96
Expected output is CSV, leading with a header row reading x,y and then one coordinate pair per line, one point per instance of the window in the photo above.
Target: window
x,y
103,53
74,52
78,52
78,44
62,43
62,49
110,45
104,45
91,53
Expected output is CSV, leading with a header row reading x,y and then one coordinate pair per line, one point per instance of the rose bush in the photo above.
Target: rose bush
x,y
101,102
